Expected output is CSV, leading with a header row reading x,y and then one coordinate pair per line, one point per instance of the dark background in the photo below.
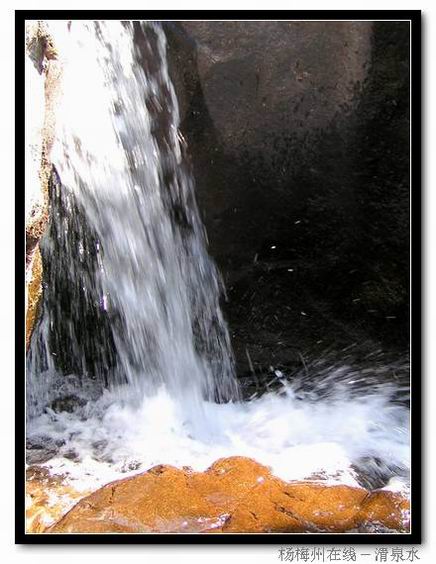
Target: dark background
x,y
298,133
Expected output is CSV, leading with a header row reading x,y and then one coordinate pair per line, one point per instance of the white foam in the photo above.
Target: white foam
x,y
297,438
159,283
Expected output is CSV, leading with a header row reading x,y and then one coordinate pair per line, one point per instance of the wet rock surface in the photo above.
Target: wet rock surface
x,y
234,495
48,498
43,81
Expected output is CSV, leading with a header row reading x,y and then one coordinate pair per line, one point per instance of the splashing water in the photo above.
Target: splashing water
x,y
119,152
298,436
120,159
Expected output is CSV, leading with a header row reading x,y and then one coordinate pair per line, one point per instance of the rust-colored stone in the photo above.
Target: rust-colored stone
x,y
297,507
34,292
234,495
41,50
47,498
385,507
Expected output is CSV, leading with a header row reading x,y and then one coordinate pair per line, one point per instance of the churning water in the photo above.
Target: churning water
x,y
119,152
127,237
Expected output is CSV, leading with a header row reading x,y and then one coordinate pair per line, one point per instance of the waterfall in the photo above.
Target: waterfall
x,y
131,326
120,156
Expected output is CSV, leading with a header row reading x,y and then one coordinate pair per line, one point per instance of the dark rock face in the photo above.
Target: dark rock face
x,y
79,335
265,92
299,138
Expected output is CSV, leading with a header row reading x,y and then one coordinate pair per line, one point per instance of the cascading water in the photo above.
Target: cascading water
x,y
156,384
125,167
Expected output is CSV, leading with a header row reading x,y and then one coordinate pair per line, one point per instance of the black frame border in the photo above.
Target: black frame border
x,y
414,537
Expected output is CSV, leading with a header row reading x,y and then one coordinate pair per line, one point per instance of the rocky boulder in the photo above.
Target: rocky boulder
x,y
234,495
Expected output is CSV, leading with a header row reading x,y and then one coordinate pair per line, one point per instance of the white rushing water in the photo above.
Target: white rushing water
x,y
298,437
120,153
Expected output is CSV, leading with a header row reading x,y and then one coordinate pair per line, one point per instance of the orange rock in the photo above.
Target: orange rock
x,y
47,498
297,507
234,495
40,47
385,507
34,292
